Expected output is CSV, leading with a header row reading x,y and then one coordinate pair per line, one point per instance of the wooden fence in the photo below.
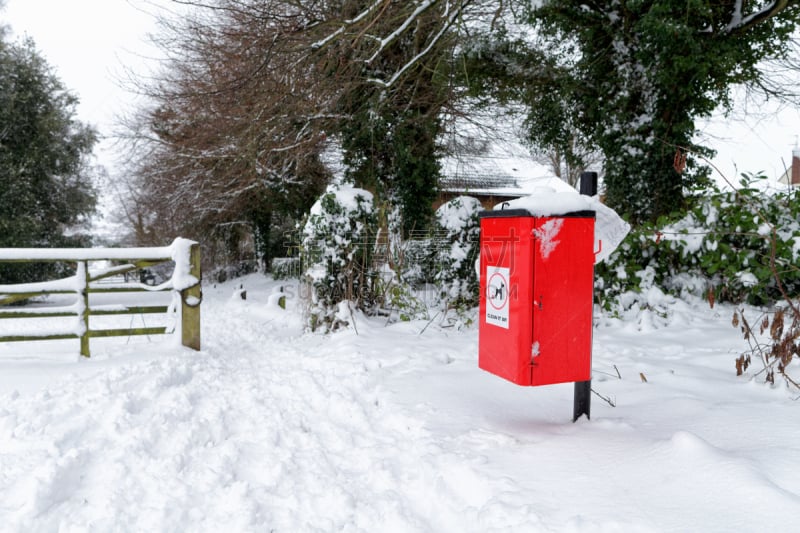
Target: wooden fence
x,y
184,282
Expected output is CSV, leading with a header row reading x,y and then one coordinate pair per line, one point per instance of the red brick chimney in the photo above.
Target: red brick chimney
x,y
795,166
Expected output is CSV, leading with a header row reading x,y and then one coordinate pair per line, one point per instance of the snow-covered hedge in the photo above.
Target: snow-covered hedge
x,y
457,222
336,251
728,246
285,267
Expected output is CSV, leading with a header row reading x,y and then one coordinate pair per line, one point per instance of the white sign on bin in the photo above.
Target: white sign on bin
x,y
497,291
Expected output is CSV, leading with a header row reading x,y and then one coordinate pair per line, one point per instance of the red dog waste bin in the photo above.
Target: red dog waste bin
x,y
536,283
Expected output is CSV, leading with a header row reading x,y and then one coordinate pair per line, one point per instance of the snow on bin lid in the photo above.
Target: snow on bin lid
x,y
609,228
547,202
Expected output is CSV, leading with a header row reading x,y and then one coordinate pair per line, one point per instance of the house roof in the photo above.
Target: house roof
x,y
499,171
488,157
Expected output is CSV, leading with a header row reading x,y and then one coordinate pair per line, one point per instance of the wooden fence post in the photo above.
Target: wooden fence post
x,y
83,294
190,303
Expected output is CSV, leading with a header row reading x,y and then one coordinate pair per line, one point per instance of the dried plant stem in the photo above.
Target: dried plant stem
x,y
609,401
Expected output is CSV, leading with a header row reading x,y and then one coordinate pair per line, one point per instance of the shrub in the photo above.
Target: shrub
x,y
458,225
400,268
729,246
285,267
336,253
420,257
233,271
774,339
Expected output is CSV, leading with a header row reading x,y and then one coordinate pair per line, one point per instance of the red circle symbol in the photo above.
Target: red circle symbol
x,y
497,288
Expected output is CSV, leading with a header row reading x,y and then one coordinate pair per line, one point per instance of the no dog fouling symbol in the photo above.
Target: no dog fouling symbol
x,y
497,291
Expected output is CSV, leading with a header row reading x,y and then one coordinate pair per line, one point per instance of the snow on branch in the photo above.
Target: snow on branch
x,y
740,22
347,23
452,9
424,6
451,17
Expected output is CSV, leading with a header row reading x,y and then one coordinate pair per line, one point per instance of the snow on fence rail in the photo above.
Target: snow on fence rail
x,y
184,284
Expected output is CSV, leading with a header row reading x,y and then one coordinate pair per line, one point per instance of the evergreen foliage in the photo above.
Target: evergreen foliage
x,y
336,249
633,77
394,154
457,222
45,192
737,246
389,133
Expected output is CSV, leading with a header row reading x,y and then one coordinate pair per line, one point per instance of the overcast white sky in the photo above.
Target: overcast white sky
x,y
91,42
761,141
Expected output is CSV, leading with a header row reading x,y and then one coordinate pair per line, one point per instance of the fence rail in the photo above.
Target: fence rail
x,y
184,283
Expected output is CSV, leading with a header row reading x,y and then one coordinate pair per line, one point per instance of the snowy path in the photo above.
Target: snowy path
x,y
387,429
254,433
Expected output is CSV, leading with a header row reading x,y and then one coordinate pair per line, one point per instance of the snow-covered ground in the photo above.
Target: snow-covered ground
x,y
384,428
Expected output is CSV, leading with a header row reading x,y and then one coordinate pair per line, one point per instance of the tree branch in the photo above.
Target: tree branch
x,y
740,23
413,61
386,41
347,23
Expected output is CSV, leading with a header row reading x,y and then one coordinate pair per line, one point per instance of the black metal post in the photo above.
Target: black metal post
x,y
582,403
588,183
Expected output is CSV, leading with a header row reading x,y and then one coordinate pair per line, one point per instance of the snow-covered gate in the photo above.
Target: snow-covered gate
x,y
184,283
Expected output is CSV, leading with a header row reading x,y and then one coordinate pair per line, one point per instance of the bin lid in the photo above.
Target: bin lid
x,y
547,202
609,228
512,213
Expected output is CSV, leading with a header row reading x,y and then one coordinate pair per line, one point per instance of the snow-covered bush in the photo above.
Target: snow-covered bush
x,y
419,257
399,271
285,267
457,222
336,248
737,246
234,270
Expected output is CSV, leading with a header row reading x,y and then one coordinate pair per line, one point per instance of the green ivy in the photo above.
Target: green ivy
x,y
336,254
734,246
459,226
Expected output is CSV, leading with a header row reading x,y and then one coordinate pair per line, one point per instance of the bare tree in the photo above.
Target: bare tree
x,y
252,89
234,130
569,163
